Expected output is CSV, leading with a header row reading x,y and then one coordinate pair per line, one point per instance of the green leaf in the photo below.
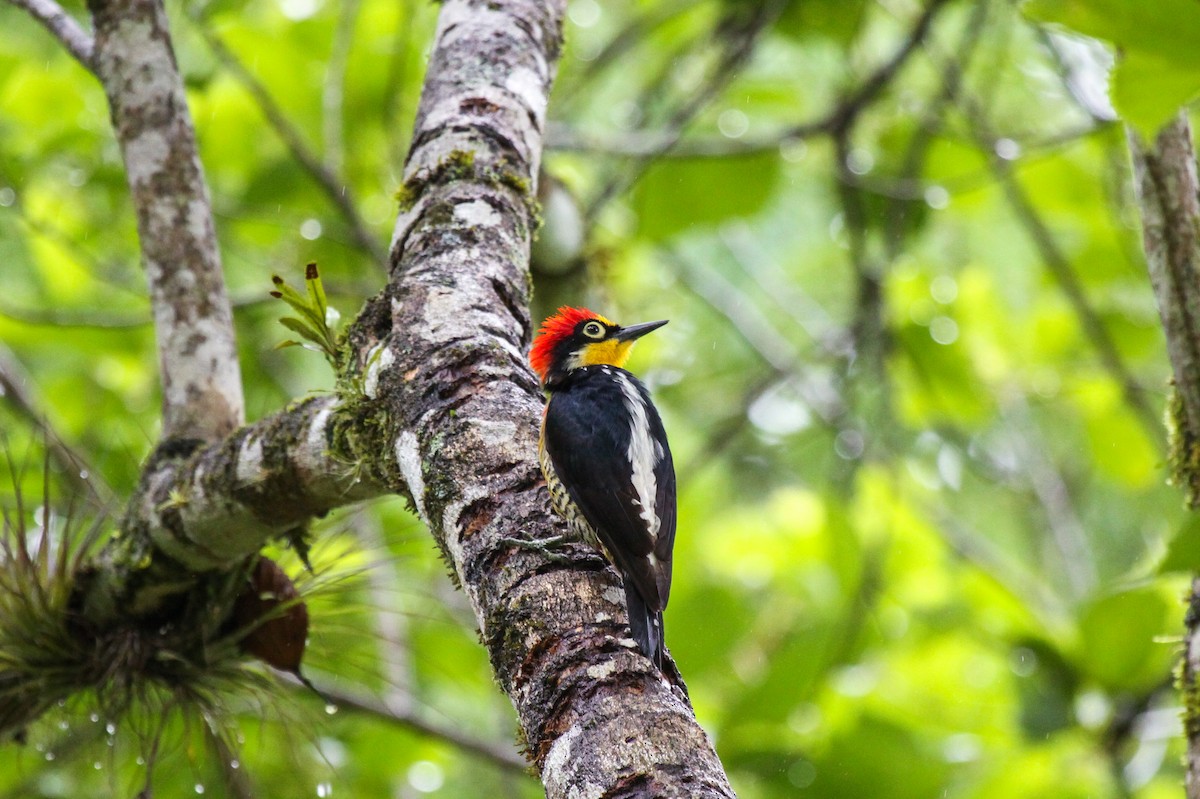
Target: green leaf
x,y
1148,89
1183,550
1158,51
302,327
298,301
1118,632
316,292
676,194
838,20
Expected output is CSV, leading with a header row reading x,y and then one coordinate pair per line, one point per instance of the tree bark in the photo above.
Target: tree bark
x,y
452,329
205,511
1169,196
193,321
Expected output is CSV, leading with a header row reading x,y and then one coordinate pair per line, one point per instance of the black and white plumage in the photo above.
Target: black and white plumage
x,y
616,485
604,453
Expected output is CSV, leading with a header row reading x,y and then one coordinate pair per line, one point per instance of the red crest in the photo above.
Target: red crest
x,y
556,328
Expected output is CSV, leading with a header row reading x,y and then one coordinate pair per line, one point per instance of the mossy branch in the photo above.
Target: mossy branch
x,y
1169,197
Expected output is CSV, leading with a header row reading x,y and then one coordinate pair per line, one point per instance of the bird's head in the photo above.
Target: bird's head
x,y
576,337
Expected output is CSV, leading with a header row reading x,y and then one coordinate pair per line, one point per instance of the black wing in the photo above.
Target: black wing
x,y
587,437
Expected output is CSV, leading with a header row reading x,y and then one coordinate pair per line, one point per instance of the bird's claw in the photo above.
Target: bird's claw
x,y
547,547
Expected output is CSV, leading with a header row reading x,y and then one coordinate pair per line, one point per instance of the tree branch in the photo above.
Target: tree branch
x,y
463,408
669,143
1169,195
63,27
739,30
204,511
504,756
202,390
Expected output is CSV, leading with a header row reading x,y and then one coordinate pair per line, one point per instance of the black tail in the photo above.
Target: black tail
x,y
645,624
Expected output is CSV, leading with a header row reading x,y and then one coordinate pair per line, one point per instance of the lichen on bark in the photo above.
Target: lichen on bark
x,y
463,405
134,59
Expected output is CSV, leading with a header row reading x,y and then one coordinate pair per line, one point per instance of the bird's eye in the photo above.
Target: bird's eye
x,y
593,330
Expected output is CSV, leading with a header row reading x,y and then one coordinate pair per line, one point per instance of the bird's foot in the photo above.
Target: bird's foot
x,y
547,547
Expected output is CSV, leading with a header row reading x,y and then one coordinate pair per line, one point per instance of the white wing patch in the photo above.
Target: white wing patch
x,y
644,454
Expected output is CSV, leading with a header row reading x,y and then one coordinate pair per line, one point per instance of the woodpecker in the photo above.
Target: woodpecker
x,y
605,456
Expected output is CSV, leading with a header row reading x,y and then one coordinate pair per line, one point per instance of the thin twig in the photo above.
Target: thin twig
x,y
91,319
16,388
667,142
334,94
787,295
63,27
1057,262
739,47
334,188
849,109
504,756
237,781
1050,487
932,123
391,622
395,85
827,406
1060,269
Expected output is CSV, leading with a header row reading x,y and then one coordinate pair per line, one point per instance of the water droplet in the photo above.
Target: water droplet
x,y
297,10
310,229
733,123
584,13
62,725
1007,149
50,755
331,708
849,444
1023,661
94,718
97,765
802,774
199,787
943,330
426,776
793,150
235,763
937,197
860,161
944,289
110,728
961,748
324,789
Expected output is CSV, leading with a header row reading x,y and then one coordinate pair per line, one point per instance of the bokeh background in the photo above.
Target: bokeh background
x,y
914,381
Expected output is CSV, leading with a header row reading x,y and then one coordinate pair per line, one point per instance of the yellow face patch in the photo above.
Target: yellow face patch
x,y
611,352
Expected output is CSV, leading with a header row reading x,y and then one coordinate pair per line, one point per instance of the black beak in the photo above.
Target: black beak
x,y
637,331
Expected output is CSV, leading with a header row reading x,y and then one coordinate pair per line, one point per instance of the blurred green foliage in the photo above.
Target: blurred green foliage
x,y
926,547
